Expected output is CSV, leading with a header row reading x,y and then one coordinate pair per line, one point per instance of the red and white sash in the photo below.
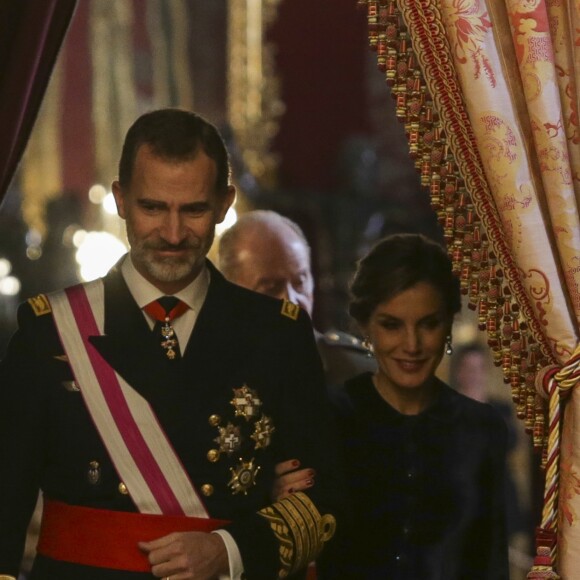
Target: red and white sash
x,y
141,453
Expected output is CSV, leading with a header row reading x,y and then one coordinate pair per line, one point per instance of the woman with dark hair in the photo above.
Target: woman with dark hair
x,y
425,465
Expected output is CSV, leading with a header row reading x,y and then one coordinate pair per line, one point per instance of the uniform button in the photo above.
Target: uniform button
x,y
213,455
94,473
207,489
123,489
214,420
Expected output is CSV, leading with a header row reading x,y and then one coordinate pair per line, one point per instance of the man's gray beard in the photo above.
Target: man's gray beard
x,y
171,270
168,269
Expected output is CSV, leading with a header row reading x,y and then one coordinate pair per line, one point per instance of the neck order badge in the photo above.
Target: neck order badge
x,y
164,310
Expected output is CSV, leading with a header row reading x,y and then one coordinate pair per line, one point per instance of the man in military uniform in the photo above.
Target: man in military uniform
x,y
269,253
151,406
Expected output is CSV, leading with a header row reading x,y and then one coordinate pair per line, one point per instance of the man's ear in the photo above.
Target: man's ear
x,y
119,198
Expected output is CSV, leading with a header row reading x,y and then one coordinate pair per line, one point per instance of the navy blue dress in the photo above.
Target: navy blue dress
x,y
426,491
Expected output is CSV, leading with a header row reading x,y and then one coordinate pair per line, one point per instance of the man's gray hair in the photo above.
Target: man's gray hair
x,y
227,251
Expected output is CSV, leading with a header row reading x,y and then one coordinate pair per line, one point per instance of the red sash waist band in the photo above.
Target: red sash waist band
x,y
105,538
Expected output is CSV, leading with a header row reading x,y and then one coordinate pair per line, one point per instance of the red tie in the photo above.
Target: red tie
x,y
164,310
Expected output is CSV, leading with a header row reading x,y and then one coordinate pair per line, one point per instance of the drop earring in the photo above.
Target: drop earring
x,y
448,345
368,345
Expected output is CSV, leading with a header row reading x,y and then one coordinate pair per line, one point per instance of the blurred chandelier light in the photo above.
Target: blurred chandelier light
x,y
97,253
97,194
230,219
9,286
109,205
5,267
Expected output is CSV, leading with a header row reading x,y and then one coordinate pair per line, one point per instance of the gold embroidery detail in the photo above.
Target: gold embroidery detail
x,y
300,530
290,309
40,304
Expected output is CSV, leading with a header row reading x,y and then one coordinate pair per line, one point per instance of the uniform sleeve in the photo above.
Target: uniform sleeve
x,y
285,536
22,437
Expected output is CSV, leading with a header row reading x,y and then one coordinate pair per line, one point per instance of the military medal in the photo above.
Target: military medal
x,y
169,341
262,434
164,310
243,476
229,439
246,403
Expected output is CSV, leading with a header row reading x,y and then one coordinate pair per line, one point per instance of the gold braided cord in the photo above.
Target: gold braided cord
x,y
556,382
549,510
300,530
569,375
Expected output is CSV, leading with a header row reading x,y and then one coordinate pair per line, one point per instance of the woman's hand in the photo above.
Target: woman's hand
x,y
290,479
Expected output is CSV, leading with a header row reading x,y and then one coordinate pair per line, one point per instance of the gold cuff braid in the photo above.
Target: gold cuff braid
x,y
6,577
300,529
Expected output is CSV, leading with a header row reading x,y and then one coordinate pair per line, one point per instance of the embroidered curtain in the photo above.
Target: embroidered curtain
x,y
487,90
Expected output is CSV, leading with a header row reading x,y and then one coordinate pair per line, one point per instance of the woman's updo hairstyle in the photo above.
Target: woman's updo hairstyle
x,y
397,263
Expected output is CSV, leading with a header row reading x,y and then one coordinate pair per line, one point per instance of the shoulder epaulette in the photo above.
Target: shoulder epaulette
x,y
40,304
290,309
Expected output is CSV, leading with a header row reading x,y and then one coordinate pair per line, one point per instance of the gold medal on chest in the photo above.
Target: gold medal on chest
x,y
243,476
229,439
246,403
262,435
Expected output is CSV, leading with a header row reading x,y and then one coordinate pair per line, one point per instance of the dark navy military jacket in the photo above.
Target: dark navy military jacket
x,y
48,441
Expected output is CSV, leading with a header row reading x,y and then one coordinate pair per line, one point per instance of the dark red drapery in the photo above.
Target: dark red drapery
x,y
31,33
